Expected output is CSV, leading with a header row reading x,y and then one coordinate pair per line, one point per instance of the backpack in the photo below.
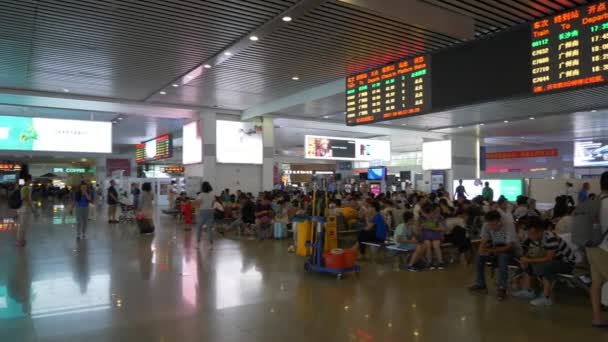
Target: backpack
x,y
586,228
14,200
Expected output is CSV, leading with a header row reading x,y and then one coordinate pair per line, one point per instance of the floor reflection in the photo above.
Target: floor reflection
x,y
234,284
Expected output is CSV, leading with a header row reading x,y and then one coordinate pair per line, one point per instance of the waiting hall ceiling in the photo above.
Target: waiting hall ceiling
x,y
131,49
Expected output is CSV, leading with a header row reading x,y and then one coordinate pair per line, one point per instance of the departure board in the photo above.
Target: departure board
x,y
393,91
154,149
570,50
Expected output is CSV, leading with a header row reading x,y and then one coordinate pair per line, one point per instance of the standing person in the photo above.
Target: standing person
x,y
81,200
460,192
570,193
146,206
598,259
112,202
583,195
172,195
487,193
204,201
92,207
25,211
136,193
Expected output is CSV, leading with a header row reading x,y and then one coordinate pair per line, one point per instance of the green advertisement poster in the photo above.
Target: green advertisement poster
x,y
17,133
511,188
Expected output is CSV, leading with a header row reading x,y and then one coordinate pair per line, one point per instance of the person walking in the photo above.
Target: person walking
x,y
204,201
146,207
598,259
487,193
80,205
583,195
25,211
112,202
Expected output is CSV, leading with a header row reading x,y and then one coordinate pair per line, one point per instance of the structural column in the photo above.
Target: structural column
x,y
465,158
206,169
268,166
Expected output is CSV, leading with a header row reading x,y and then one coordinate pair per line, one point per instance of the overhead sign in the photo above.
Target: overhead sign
x,y
552,152
239,142
332,148
570,50
39,134
10,167
72,170
173,169
510,188
154,149
396,90
437,155
591,153
192,152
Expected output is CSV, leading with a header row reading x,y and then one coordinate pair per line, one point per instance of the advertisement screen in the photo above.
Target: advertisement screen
x,y
377,173
154,149
510,188
192,152
39,134
332,148
437,155
591,153
239,143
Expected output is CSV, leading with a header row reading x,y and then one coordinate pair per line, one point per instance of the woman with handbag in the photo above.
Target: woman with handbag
x,y
146,209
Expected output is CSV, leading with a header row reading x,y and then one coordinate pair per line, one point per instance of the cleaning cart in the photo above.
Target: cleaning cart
x,y
333,264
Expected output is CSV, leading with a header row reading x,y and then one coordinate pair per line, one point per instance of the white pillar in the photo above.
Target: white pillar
x,y
208,133
268,166
465,158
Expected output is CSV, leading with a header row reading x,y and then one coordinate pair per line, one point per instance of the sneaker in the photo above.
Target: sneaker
x,y
524,294
501,294
412,269
542,301
432,267
478,289
441,266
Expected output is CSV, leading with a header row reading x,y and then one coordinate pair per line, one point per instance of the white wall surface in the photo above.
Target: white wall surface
x,y
247,178
545,190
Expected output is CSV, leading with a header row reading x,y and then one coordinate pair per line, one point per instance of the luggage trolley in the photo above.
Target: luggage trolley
x,y
315,261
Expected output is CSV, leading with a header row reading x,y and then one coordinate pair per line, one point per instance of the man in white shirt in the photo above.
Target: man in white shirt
x,y
598,259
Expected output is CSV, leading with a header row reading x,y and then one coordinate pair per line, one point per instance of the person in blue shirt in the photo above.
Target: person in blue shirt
x,y
583,195
375,231
82,199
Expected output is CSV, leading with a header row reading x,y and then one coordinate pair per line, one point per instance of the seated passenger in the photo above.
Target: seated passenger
x,y
499,244
456,233
431,226
375,231
263,217
545,255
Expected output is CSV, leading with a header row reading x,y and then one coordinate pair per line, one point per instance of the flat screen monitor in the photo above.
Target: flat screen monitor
x,y
591,153
510,188
376,173
363,176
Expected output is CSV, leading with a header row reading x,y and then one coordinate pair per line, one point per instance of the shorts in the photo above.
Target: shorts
x,y
598,260
550,270
431,235
407,246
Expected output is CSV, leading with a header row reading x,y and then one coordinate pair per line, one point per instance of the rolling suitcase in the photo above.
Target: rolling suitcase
x,y
280,230
145,226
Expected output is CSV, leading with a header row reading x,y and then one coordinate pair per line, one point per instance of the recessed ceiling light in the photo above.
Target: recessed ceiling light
x,y
287,18
295,78
253,38
207,66
326,117
403,124
227,53
459,126
119,118
532,118
65,90
162,92
481,124
84,159
175,85
506,121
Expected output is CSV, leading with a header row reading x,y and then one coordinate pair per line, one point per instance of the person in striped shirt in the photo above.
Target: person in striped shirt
x,y
546,256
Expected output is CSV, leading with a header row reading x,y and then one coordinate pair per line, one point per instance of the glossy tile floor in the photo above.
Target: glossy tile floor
x,y
119,286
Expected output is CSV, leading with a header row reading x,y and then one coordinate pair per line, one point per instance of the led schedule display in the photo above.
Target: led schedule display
x,y
154,149
570,50
390,92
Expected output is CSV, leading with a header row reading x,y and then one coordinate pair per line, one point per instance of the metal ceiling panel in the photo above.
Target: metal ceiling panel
x,y
119,49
